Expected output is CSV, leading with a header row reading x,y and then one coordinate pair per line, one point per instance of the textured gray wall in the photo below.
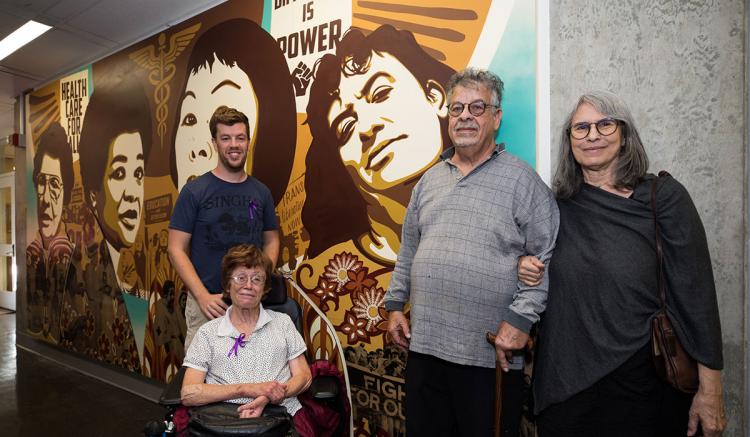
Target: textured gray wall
x,y
680,67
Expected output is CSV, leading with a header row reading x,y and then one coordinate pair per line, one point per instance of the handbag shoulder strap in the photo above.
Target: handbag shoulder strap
x,y
661,280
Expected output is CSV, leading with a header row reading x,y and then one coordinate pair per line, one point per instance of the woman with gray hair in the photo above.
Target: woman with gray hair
x,y
594,373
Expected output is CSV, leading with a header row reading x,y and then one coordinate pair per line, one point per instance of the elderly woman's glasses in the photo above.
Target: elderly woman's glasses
x,y
242,279
605,127
49,182
476,108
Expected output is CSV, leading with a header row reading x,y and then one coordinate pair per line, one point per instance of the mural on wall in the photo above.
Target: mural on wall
x,y
347,107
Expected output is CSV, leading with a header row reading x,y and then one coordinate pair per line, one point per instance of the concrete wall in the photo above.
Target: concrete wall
x,y
680,65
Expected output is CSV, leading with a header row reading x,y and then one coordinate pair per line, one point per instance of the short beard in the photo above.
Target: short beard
x,y
233,168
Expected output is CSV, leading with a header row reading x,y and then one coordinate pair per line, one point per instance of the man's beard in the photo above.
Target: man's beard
x,y
232,167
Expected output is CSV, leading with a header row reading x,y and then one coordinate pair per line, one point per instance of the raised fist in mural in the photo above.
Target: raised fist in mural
x,y
301,78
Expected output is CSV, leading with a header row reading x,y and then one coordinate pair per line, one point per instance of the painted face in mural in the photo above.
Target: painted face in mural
x,y
206,90
163,235
49,196
121,197
387,124
468,130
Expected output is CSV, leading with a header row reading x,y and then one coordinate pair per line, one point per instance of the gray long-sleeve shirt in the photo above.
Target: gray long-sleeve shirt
x,y
457,266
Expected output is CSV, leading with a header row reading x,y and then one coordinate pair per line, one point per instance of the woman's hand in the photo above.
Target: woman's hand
x,y
273,391
530,270
253,408
708,404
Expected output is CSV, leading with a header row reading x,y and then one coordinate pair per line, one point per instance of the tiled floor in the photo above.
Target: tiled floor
x,y
39,397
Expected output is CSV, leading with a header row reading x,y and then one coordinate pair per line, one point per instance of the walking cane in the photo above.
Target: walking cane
x,y
498,385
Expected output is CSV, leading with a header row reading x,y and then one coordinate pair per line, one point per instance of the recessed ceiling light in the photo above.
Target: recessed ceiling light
x,y
21,36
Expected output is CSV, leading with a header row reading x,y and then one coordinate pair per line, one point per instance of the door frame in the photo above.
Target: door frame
x,y
8,297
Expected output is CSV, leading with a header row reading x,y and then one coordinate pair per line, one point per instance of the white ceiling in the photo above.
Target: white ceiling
x,y
83,31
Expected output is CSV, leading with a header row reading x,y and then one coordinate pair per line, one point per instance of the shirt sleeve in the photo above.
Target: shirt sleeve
x,y
270,222
399,288
198,355
295,343
184,212
691,292
538,219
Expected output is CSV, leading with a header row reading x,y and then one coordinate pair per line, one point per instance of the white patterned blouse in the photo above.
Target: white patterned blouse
x,y
264,357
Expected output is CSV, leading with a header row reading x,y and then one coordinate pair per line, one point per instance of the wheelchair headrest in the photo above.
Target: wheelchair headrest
x,y
277,294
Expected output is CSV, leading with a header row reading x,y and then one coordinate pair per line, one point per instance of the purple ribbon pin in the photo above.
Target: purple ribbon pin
x,y
252,209
238,343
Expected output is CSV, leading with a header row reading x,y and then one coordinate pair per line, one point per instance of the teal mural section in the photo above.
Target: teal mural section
x,y
138,313
513,63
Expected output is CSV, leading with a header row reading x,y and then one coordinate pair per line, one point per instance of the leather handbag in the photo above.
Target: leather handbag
x,y
222,419
672,363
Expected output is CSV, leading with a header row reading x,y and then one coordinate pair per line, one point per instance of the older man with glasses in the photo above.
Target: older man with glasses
x,y
469,219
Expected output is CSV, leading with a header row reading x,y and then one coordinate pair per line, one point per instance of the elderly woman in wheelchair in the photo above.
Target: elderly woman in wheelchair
x,y
251,356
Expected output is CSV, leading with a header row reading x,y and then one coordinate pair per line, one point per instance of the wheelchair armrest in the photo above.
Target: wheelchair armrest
x,y
324,387
171,394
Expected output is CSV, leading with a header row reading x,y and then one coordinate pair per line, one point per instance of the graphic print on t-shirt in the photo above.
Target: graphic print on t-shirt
x,y
235,225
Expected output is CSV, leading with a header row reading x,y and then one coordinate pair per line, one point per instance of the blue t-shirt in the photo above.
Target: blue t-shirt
x,y
219,215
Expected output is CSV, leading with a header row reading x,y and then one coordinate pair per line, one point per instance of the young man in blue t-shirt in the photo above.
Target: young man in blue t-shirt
x,y
216,211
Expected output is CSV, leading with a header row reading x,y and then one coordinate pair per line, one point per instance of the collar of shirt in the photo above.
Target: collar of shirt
x,y
448,154
226,329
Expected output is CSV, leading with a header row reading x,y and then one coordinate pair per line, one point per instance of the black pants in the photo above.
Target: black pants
x,y
448,399
630,401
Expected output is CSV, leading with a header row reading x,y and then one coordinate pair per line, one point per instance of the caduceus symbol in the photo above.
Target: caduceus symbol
x,y
159,61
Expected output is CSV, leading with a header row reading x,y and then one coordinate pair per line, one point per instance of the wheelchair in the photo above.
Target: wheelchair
x,y
325,390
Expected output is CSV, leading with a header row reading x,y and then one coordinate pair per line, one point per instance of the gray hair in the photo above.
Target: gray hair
x,y
632,162
472,76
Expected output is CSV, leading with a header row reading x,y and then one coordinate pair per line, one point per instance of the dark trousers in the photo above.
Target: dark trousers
x,y
630,401
448,399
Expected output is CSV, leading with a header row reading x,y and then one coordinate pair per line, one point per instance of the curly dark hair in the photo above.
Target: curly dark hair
x,y
334,209
115,108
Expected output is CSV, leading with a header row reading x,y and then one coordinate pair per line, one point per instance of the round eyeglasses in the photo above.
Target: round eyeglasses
x,y
476,108
242,279
605,127
45,182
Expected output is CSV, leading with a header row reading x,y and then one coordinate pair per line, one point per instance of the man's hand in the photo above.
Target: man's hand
x,y
398,327
273,390
507,340
530,270
211,305
253,408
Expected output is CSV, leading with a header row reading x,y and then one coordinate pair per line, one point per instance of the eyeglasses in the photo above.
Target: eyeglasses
x,y
46,181
476,108
605,127
242,279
